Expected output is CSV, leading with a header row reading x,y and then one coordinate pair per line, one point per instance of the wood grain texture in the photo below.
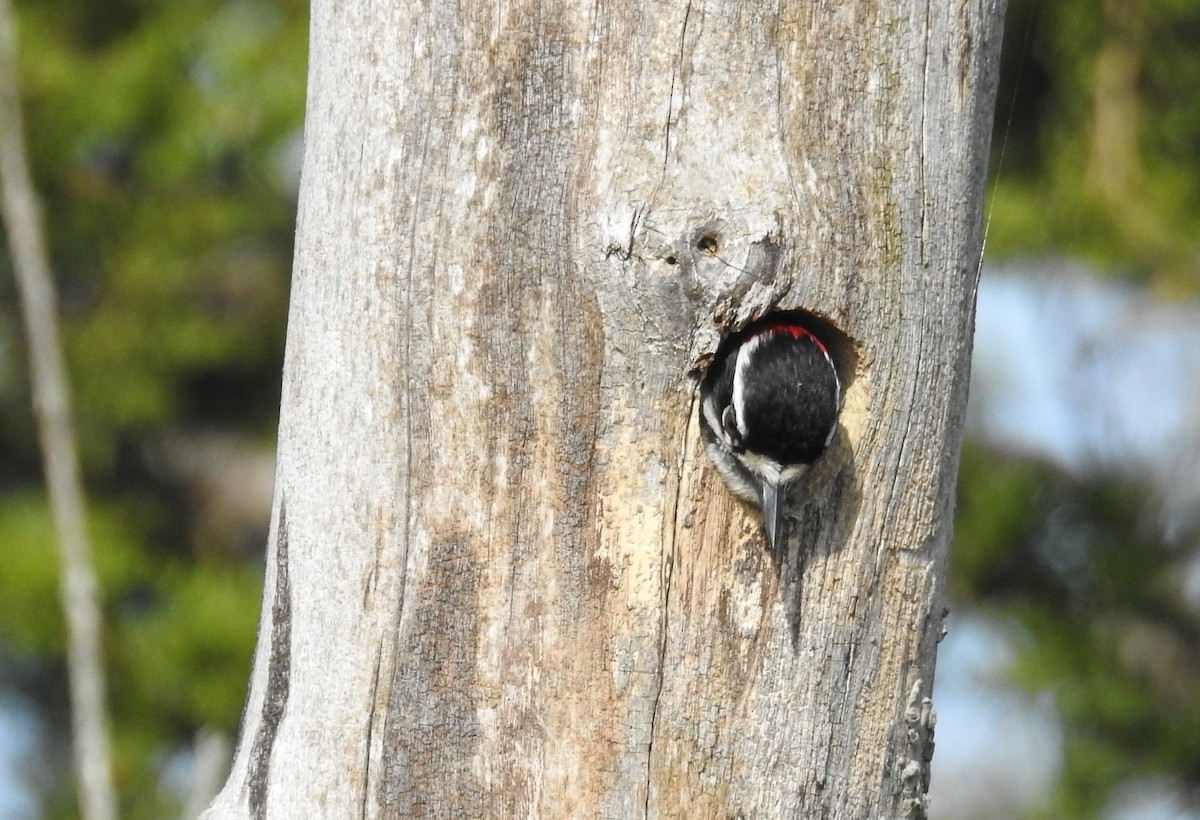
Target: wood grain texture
x,y
516,586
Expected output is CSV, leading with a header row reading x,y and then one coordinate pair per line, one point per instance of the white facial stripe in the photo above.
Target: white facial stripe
x,y
739,381
837,392
712,415
728,466
770,471
837,383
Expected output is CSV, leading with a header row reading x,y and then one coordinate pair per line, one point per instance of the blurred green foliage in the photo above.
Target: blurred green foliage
x,y
164,141
1097,137
1096,155
1081,566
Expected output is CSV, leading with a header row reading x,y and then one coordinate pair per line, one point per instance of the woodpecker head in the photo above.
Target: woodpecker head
x,y
769,408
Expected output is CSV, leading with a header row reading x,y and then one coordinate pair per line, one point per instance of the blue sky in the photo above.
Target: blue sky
x,y
1086,373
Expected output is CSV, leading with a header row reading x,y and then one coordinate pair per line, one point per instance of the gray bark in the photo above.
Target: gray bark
x,y
503,580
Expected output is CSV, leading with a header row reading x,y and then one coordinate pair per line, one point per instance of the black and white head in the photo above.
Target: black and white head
x,y
769,408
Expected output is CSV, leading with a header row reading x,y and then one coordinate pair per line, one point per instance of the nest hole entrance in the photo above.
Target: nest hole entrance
x,y
842,348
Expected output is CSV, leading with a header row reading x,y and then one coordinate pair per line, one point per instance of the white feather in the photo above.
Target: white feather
x,y
739,381
837,393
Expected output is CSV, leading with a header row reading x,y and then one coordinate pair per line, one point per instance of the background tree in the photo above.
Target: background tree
x,y
1090,566
1101,161
501,578
162,139
78,590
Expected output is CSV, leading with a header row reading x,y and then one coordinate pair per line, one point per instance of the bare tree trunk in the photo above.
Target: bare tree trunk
x,y
503,581
1113,162
51,398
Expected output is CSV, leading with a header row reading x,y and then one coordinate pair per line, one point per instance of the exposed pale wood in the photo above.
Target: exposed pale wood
x,y
503,579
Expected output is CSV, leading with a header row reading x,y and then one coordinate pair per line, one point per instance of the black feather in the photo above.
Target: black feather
x,y
790,398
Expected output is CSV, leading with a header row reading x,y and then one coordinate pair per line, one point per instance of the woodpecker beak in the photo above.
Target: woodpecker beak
x,y
772,512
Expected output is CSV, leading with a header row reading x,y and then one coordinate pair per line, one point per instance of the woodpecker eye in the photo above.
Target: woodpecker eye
x,y
729,424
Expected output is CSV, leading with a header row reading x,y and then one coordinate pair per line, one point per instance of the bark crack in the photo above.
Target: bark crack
x,y
672,534
675,77
895,496
278,682
406,402
924,135
662,665
366,769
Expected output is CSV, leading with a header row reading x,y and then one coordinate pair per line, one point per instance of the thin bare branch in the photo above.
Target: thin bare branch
x,y
51,398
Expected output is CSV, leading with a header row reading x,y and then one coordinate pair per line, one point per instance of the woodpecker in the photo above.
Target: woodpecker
x,y
769,408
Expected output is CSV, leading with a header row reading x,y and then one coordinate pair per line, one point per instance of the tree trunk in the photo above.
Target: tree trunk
x,y
503,579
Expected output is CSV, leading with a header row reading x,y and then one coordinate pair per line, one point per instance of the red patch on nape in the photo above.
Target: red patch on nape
x,y
793,330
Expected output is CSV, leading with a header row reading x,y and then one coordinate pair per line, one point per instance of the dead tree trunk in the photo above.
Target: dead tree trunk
x,y
503,580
